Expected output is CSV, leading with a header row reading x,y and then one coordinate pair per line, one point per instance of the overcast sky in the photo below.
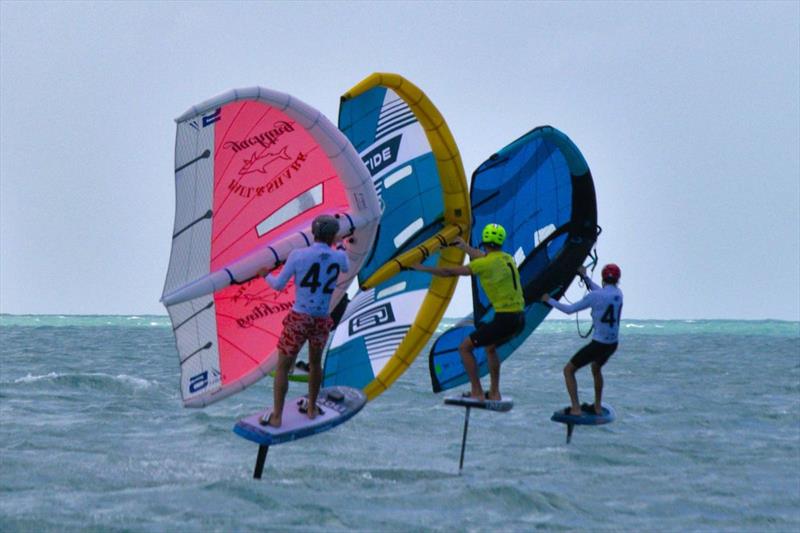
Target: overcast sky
x,y
688,114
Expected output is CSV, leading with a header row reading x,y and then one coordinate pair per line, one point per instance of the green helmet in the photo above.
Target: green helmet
x,y
494,234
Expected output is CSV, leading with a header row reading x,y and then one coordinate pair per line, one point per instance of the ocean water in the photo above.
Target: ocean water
x,y
93,437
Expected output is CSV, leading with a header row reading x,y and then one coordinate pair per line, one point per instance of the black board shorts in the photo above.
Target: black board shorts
x,y
594,352
502,328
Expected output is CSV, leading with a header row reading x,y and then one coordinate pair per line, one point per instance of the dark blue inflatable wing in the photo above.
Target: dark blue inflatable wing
x,y
540,189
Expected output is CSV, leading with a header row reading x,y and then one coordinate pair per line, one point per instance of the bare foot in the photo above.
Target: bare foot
x,y
494,396
576,411
312,412
271,420
598,411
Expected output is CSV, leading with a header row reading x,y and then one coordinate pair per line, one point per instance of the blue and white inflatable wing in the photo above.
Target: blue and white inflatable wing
x,y
417,172
540,189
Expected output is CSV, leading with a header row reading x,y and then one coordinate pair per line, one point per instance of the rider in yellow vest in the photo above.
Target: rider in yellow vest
x,y
498,275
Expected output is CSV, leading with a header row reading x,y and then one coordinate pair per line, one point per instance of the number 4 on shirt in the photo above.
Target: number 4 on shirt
x,y
608,316
311,279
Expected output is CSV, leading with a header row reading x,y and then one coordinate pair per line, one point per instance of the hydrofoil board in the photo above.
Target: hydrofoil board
x,y
336,405
587,418
502,405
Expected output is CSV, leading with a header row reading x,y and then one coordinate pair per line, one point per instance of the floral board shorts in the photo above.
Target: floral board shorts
x,y
299,328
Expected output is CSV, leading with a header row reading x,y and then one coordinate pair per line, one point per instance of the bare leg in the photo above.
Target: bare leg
x,y
494,372
598,388
280,387
314,379
572,388
466,349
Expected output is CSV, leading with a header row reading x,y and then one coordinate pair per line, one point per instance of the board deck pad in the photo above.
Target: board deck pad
x,y
588,418
296,425
503,405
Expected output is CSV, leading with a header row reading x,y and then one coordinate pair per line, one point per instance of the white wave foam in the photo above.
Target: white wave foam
x,y
30,379
637,326
139,383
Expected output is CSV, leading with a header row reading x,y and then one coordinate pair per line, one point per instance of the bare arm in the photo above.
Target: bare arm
x,y
473,253
446,272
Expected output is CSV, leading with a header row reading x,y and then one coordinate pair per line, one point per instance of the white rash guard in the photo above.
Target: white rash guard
x,y
606,304
315,270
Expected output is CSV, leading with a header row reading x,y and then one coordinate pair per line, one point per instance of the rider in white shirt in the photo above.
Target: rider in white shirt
x,y
606,304
315,270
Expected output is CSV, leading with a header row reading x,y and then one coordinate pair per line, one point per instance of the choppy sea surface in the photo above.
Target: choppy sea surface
x,y
707,438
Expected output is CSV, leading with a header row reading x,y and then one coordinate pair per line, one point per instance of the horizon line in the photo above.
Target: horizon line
x,y
166,316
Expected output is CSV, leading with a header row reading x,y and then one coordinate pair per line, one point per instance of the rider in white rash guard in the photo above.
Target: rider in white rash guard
x,y
606,304
315,270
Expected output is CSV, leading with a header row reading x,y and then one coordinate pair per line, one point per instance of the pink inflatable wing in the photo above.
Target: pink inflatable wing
x,y
253,169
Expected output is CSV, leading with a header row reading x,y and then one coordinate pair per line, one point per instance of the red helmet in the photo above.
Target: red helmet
x,y
611,273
